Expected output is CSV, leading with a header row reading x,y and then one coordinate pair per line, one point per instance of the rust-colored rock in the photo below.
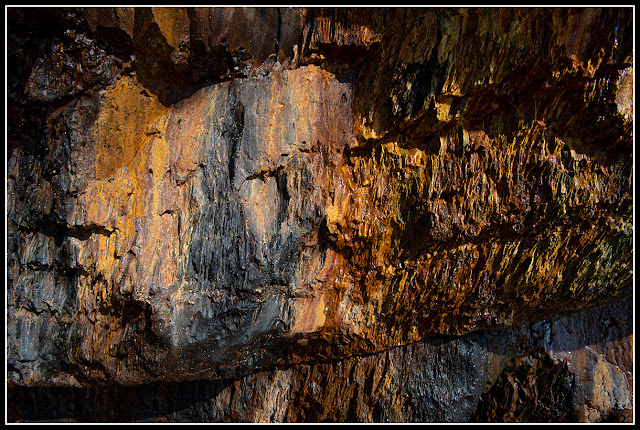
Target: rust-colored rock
x,y
208,193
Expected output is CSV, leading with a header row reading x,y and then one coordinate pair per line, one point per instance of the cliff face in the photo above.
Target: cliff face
x,y
280,199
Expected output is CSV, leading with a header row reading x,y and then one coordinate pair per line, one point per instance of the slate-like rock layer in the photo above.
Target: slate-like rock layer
x,y
198,193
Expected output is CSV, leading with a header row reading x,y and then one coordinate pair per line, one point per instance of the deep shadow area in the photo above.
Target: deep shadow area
x,y
113,403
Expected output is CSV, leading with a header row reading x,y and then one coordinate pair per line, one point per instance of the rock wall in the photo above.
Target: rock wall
x,y
548,371
285,214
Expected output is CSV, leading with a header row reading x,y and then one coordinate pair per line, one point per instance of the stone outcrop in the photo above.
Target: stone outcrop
x,y
285,214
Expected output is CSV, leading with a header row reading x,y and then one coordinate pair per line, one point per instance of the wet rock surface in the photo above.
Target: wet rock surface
x,y
360,215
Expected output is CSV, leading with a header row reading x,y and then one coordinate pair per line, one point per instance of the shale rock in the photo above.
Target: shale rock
x,y
214,193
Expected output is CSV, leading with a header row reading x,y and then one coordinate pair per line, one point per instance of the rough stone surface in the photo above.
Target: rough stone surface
x,y
503,375
573,372
229,201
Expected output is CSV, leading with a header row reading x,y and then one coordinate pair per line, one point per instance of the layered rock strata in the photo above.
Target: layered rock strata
x,y
198,194
530,373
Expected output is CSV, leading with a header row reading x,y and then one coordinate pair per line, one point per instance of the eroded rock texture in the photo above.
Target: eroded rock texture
x,y
283,214
530,373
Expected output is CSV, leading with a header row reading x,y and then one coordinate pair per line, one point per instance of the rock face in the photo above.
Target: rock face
x,y
278,214
530,373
